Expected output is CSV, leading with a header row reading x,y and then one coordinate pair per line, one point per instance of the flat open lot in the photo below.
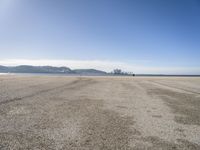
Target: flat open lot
x,y
93,113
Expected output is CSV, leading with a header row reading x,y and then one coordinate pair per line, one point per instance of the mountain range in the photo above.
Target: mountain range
x,y
49,69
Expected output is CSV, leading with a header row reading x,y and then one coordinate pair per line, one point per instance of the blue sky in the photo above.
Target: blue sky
x,y
143,36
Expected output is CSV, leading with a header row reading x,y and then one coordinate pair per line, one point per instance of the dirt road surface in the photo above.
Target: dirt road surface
x,y
99,113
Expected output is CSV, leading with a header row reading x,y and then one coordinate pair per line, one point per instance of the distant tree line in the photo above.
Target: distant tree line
x,y
120,72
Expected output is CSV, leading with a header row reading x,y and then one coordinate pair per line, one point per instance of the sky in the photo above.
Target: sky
x,y
141,36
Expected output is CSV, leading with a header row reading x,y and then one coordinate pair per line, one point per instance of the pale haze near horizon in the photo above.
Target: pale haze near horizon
x,y
161,37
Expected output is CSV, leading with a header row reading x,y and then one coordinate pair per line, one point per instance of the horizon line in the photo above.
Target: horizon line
x,y
104,65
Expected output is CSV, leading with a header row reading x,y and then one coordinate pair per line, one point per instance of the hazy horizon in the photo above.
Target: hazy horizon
x,y
140,36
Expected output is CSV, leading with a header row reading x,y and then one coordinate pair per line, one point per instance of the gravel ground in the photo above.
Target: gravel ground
x,y
95,113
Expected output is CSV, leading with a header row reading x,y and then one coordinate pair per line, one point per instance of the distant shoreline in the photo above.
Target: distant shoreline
x,y
62,74
155,75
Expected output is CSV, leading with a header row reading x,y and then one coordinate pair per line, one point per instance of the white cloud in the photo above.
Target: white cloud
x,y
102,65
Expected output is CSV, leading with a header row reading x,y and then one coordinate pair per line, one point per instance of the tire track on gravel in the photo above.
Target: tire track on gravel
x,y
79,82
169,86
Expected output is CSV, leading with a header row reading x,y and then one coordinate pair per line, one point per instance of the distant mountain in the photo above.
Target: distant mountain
x,y
49,69
3,69
89,71
34,69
